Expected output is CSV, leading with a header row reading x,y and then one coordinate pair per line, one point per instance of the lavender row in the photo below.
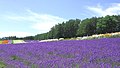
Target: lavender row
x,y
99,53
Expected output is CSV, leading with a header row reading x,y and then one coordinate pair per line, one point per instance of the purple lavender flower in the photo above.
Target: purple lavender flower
x,y
99,53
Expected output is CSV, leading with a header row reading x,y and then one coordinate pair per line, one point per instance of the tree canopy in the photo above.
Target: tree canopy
x,y
77,27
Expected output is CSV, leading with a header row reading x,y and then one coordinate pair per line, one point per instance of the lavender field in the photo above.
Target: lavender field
x,y
100,53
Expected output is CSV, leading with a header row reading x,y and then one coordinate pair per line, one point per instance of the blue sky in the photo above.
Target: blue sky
x,y
30,17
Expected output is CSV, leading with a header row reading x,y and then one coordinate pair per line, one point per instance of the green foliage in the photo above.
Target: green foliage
x,y
34,66
50,53
41,36
61,30
2,65
108,24
29,38
66,55
14,57
87,27
26,62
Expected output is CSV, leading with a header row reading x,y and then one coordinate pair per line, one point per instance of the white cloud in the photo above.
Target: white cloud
x,y
13,33
114,9
44,21
40,22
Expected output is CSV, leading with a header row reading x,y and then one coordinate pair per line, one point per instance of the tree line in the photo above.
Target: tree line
x,y
79,28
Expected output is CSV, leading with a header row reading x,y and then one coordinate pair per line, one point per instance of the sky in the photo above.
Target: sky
x,y
31,17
